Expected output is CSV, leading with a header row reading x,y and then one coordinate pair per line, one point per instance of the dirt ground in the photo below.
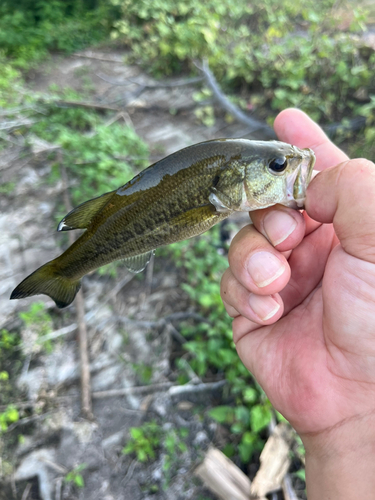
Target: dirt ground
x,y
56,439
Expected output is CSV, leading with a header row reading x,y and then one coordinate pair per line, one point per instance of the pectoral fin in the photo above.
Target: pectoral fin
x,y
198,220
81,216
137,263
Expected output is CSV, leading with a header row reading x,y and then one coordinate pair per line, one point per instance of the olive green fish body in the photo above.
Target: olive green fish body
x,y
176,198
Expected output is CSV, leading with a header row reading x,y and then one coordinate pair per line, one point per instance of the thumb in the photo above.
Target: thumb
x,y
345,195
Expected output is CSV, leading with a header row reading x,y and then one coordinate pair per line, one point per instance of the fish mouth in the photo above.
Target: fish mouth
x,y
297,182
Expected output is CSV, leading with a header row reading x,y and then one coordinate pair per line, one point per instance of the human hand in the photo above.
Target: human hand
x,y
314,350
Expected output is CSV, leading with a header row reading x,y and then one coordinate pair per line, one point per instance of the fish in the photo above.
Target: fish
x,y
176,198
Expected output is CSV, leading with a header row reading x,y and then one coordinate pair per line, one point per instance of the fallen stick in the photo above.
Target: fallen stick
x,y
86,404
223,477
89,105
252,124
138,389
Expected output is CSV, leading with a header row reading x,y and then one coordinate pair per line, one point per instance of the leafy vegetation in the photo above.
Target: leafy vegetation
x,y
97,156
38,322
271,55
75,477
28,29
144,441
211,348
275,53
7,417
151,437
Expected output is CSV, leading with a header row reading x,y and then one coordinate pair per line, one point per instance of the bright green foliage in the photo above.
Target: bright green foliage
x,y
38,320
37,315
144,441
283,53
75,476
211,346
29,29
143,371
9,78
98,157
260,417
7,417
174,447
147,439
8,340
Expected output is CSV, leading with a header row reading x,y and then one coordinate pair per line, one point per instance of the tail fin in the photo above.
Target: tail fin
x,y
49,281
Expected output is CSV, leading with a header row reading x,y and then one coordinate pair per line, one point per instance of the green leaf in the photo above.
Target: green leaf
x,y
260,417
78,480
301,474
222,414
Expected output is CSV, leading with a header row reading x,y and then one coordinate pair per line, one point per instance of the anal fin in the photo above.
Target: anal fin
x,y
137,263
81,216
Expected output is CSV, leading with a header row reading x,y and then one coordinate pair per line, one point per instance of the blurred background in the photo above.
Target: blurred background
x,y
92,92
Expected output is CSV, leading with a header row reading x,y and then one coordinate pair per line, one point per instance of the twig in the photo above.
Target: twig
x,y
194,379
129,473
97,58
58,489
144,86
15,124
288,489
86,404
14,487
251,123
89,316
26,492
176,334
89,105
177,390
173,389
27,420
141,389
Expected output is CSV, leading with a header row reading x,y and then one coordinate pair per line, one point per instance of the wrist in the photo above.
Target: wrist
x,y
340,462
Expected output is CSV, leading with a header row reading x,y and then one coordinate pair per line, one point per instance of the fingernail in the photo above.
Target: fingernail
x,y
264,268
278,225
264,306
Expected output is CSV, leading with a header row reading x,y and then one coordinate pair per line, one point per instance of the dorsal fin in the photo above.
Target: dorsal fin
x,y
81,216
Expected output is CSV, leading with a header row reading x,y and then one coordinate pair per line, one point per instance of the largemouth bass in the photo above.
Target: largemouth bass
x,y
176,198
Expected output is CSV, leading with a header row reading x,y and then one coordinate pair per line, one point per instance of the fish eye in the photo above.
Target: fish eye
x,y
278,165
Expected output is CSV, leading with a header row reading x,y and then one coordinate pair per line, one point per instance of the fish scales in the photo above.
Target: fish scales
x,y
174,199
144,225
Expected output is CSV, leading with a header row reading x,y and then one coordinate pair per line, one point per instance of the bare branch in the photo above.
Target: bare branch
x,y
89,105
86,405
252,124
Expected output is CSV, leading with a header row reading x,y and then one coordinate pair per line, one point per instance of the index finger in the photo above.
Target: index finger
x,y
295,127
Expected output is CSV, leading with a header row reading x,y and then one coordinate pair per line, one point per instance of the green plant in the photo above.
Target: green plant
x,y
7,417
8,340
75,476
174,446
143,372
144,441
39,322
98,157
29,29
275,51
211,348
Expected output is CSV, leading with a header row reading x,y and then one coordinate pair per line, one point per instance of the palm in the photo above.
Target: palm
x,y
320,355
303,360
